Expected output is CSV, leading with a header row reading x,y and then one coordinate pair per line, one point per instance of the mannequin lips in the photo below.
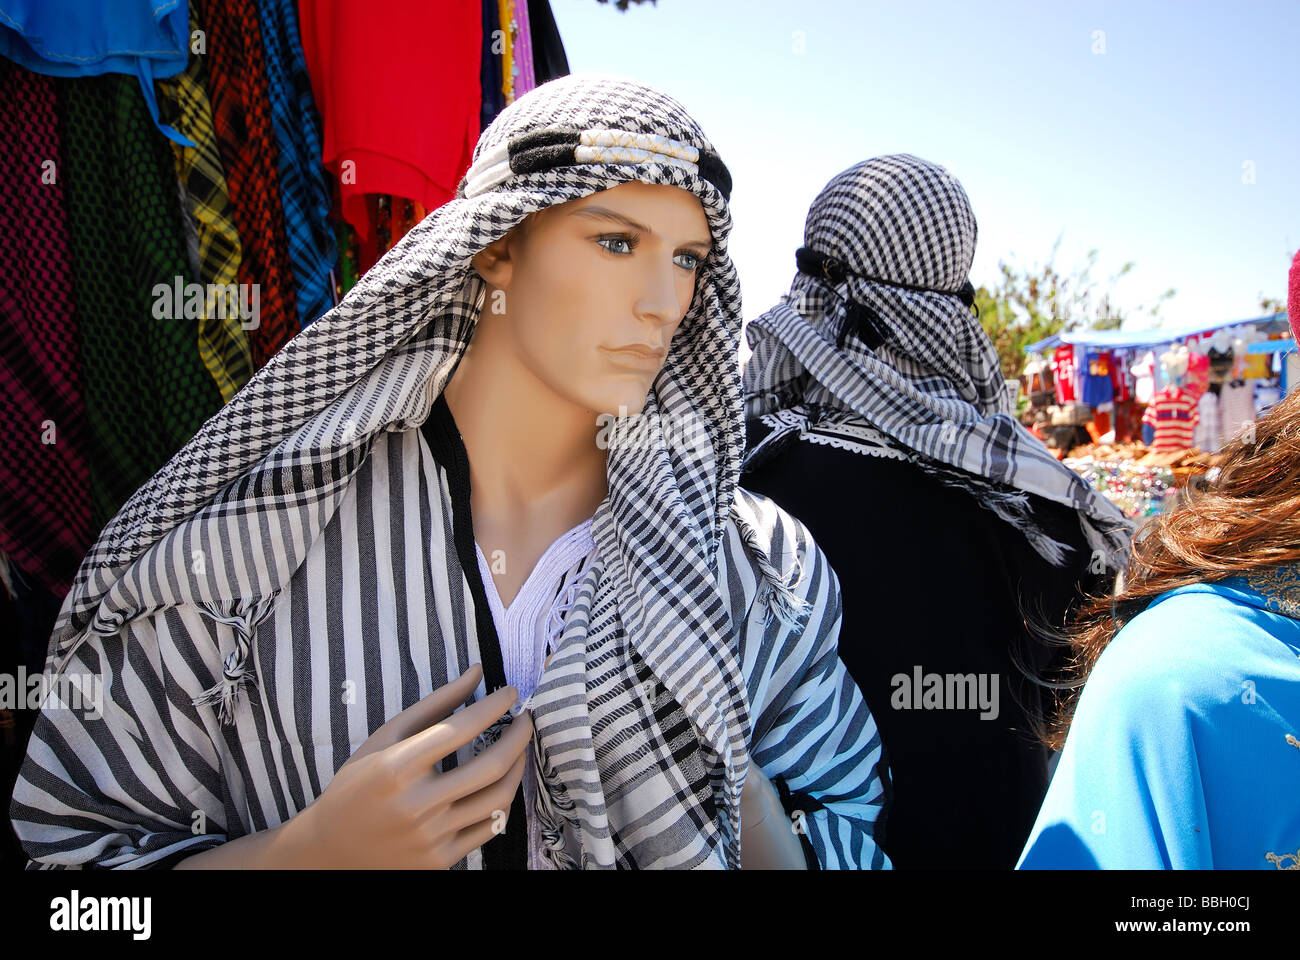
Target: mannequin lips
x,y
638,355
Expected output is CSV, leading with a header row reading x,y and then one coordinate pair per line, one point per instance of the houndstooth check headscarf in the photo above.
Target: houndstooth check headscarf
x,y
294,436
884,332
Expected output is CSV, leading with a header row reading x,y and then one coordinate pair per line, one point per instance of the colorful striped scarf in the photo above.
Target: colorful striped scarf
x,y
241,115
223,341
304,191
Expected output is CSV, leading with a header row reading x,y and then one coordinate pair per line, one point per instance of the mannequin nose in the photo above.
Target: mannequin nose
x,y
659,300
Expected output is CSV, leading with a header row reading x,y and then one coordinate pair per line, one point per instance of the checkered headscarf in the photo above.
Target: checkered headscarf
x,y
379,359
878,324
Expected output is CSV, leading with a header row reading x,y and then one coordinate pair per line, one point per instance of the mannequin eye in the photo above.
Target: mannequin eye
x,y
627,242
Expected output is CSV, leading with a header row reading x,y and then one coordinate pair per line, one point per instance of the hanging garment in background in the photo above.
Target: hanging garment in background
x,y
1144,373
549,60
304,191
147,390
88,38
370,90
493,98
1236,408
1209,427
506,19
1097,385
1063,374
241,115
1256,366
1172,414
524,76
1220,365
223,341
1121,380
44,475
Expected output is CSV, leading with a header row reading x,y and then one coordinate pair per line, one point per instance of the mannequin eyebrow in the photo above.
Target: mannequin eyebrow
x,y
604,213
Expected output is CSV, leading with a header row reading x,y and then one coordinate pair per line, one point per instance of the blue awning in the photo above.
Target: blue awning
x,y
1150,337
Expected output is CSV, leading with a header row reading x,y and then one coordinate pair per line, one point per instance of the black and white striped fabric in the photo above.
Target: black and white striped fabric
x,y
903,231
380,612
202,553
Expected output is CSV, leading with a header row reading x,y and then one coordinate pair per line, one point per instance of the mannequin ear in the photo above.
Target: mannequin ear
x,y
493,262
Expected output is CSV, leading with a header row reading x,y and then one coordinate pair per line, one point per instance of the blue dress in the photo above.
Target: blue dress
x,y
1185,748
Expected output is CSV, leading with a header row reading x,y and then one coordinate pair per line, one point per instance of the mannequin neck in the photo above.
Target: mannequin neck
x,y
532,452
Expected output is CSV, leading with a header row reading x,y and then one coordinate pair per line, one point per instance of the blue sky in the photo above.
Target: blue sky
x,y
1142,151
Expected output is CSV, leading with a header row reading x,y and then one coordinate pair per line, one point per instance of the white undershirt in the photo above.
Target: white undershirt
x,y
526,630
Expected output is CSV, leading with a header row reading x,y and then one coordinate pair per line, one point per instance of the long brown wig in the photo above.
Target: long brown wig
x,y
1247,518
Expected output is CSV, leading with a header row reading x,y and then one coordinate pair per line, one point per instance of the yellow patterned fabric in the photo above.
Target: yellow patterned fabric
x,y
506,9
223,342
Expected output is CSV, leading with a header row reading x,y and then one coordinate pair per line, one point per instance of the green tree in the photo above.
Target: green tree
x,y
1026,305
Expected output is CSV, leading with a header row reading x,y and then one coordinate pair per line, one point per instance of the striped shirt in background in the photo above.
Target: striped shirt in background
x,y
1172,412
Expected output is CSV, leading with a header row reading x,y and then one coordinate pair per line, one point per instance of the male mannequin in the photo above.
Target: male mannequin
x,y
526,396
344,616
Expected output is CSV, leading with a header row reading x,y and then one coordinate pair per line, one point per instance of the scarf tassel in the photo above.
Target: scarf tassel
x,y
780,599
236,668
224,691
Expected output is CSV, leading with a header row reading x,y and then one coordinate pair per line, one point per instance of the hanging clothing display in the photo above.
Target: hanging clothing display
x,y
45,516
1121,379
525,78
223,339
241,115
1098,388
1209,427
1237,408
739,644
88,38
1144,373
304,192
147,390
490,65
1063,374
1163,766
1173,417
549,60
368,88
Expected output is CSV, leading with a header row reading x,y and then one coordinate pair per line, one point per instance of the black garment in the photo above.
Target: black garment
x,y
508,850
932,580
493,100
549,60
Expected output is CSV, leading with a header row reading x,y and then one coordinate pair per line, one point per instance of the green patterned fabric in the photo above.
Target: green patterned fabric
x,y
147,389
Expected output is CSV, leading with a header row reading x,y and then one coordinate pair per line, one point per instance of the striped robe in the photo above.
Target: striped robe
x,y
353,637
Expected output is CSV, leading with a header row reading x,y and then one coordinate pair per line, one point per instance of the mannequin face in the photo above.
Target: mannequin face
x,y
587,295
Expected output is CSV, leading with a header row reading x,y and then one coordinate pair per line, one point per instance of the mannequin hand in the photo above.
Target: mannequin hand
x,y
768,840
387,807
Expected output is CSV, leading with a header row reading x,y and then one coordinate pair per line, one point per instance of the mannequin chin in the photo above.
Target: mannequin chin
x,y
584,298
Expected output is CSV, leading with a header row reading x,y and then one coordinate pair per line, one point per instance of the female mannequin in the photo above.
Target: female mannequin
x,y
385,451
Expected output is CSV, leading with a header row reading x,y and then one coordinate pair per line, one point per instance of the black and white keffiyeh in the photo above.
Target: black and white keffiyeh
x,y
281,454
878,323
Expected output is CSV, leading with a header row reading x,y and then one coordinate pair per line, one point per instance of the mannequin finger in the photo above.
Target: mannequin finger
x,y
425,747
492,801
473,837
437,706
489,767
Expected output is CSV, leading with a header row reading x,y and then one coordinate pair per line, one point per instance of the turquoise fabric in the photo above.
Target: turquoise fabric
x,y
1185,748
